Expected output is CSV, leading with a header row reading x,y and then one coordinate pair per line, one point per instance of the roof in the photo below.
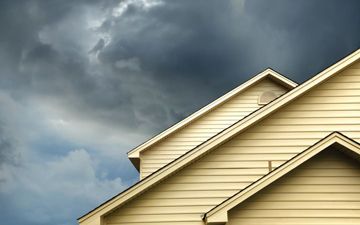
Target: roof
x,y
134,154
218,139
219,214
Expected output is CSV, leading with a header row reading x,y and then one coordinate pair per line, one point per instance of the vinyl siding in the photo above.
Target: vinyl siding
x,y
205,127
324,190
183,197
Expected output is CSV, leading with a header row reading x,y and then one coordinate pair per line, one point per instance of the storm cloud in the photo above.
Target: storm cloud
x,y
82,82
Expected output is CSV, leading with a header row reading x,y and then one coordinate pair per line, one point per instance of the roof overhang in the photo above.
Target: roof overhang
x,y
219,214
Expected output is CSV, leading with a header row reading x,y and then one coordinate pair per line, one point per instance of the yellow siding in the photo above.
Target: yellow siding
x,y
324,190
205,127
239,162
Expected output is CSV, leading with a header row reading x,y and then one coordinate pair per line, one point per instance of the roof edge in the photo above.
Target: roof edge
x,y
218,214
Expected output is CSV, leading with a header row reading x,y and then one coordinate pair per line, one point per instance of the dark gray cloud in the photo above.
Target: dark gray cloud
x,y
212,46
156,58
84,81
8,149
5,146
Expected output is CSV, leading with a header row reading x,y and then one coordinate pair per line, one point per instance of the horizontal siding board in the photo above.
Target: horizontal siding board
x,y
344,128
333,100
317,188
300,213
324,180
324,106
217,179
332,93
239,164
313,121
154,217
347,78
155,223
296,221
261,156
347,172
217,171
282,135
175,202
340,86
207,186
159,194
310,205
321,114
271,143
263,149
165,210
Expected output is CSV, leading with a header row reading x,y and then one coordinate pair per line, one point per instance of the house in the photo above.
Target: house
x,y
268,152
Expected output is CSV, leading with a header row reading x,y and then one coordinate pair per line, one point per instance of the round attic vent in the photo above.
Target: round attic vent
x,y
266,97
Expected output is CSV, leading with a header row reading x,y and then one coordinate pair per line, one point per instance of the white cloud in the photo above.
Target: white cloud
x,y
44,187
143,4
78,32
61,184
238,5
77,128
132,64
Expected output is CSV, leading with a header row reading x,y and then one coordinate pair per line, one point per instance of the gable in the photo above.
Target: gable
x,y
231,165
208,125
275,79
324,190
219,214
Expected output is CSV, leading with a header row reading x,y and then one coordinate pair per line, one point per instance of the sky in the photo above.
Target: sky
x,y
83,82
